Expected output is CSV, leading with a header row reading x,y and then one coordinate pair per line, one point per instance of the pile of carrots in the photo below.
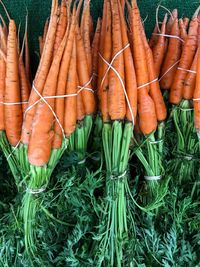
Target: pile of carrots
x,y
113,73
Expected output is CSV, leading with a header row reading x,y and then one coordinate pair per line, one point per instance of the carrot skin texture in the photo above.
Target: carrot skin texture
x,y
172,56
197,96
188,53
41,76
12,113
2,91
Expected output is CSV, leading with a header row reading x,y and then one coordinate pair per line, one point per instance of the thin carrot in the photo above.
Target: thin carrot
x,y
62,25
71,102
154,37
171,60
190,80
40,145
12,113
186,60
41,74
84,75
146,107
183,30
171,21
130,76
61,87
2,90
46,26
116,96
159,48
95,55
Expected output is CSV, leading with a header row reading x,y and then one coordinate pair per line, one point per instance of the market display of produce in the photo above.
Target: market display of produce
x,y
100,147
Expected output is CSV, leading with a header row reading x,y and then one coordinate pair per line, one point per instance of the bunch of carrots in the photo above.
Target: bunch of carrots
x,y
132,89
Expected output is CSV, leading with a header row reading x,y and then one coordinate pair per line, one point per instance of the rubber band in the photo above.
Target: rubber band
x,y
169,69
156,142
114,177
13,103
144,85
186,109
119,77
191,71
35,191
81,161
170,36
153,178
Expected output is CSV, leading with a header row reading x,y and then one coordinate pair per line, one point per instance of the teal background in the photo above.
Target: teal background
x,y
39,10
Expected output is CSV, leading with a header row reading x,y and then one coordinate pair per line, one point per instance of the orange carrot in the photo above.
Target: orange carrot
x,y
40,145
174,15
62,25
197,96
84,75
172,57
130,76
12,113
46,26
159,48
155,92
186,60
71,102
146,107
61,87
154,37
40,44
186,22
2,90
41,74
190,80
183,30
116,96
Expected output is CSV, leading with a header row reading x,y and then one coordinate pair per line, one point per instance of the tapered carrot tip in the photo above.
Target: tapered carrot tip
x,y
196,13
175,13
39,156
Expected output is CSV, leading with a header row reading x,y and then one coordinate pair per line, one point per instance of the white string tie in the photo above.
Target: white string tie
x,y
35,191
146,84
114,177
169,69
191,71
153,178
170,36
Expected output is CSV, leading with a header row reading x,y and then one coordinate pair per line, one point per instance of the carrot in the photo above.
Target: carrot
x,y
80,107
130,76
146,107
190,80
40,44
159,48
155,92
46,26
71,102
95,55
41,74
84,75
12,113
62,25
40,145
172,56
170,23
186,22
85,32
106,53
91,28
197,96
2,90
154,37
183,30
116,96
61,87
186,60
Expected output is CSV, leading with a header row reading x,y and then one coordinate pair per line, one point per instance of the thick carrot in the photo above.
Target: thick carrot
x,y
186,60
41,74
155,92
130,76
173,55
12,113
106,53
40,145
159,48
62,25
2,90
197,96
61,87
95,55
146,107
71,102
190,80
116,96
84,75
